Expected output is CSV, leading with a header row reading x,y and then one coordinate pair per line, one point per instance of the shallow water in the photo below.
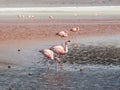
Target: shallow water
x,y
36,78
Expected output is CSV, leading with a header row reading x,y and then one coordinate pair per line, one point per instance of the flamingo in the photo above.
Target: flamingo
x,y
51,17
59,49
30,17
21,17
50,55
62,34
75,29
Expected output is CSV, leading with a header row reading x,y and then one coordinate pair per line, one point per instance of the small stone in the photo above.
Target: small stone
x,y
30,74
10,89
18,50
9,66
81,69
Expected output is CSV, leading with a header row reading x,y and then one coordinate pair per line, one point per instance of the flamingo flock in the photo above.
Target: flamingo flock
x,y
23,17
50,52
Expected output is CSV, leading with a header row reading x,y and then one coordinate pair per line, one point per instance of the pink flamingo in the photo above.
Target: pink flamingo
x,y
50,55
51,17
75,29
62,34
59,49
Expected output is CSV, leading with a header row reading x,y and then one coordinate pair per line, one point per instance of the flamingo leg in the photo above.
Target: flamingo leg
x,y
42,61
61,66
56,65
48,66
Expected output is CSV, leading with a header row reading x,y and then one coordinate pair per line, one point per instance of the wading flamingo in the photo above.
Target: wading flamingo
x,y
60,50
62,34
75,29
50,55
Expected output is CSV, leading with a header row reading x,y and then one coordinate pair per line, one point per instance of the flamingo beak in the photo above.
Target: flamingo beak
x,y
40,51
68,41
59,61
56,33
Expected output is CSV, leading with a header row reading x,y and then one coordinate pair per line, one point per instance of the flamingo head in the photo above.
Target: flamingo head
x,y
66,43
40,51
78,28
57,59
70,29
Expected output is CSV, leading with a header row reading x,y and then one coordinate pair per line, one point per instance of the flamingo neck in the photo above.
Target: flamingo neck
x,y
78,29
57,59
66,47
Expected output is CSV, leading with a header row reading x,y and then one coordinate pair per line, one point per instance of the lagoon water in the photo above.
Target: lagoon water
x,y
71,78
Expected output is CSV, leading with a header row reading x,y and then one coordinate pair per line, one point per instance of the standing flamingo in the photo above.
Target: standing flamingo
x,y
60,50
75,29
62,34
50,55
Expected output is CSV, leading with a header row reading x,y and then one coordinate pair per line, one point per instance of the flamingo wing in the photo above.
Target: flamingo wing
x,y
48,53
63,34
58,49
